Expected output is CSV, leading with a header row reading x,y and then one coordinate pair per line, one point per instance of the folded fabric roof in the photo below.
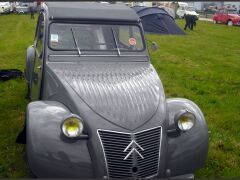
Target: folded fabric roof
x,y
91,11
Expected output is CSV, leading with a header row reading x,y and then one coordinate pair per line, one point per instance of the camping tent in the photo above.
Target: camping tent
x,y
157,21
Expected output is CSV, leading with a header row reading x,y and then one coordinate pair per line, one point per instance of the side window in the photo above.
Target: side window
x,y
39,35
130,37
124,35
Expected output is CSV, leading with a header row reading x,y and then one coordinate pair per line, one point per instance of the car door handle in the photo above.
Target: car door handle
x,y
39,67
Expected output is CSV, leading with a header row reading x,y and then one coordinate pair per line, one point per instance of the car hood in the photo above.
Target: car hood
x,y
234,16
126,94
191,13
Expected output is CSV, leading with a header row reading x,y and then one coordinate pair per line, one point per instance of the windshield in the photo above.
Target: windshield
x,y
190,8
95,37
232,12
4,3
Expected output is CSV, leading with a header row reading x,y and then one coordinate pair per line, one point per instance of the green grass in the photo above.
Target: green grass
x,y
203,66
16,33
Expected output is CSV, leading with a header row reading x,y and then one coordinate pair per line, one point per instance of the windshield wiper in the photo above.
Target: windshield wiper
x,y
76,44
115,40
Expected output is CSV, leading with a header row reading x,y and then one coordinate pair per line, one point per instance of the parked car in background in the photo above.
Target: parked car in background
x,y
22,9
186,10
229,17
6,7
210,10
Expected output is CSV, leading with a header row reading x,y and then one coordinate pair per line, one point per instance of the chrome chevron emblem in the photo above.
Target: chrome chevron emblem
x,y
134,145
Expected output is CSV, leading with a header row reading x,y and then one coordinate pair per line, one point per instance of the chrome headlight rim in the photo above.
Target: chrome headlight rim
x,y
185,113
81,126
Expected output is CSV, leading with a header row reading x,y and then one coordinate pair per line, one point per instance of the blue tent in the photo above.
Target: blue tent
x,y
157,21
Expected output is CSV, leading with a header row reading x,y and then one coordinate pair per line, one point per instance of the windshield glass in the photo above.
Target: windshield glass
x,y
4,3
95,37
232,12
190,8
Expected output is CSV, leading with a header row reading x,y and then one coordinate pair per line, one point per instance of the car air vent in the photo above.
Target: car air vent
x,y
130,155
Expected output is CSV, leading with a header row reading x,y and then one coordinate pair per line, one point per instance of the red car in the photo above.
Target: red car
x,y
227,16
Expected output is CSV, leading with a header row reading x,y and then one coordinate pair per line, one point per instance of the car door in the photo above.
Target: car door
x,y
38,60
220,14
181,11
224,16
216,16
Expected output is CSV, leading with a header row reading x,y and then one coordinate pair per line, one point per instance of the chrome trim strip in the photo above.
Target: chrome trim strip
x,y
130,133
132,152
133,141
95,55
129,154
103,153
160,146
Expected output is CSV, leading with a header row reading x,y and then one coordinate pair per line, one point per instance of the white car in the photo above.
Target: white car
x,y
184,10
5,7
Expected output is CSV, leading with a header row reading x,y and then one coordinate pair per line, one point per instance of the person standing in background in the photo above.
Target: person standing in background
x,y
190,21
31,12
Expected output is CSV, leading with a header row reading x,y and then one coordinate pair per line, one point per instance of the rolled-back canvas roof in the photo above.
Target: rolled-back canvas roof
x,y
91,11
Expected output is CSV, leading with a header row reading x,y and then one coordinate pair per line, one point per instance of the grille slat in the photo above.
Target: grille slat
x,y
145,133
117,165
145,139
115,148
125,136
148,171
146,163
150,158
149,153
118,140
151,145
116,157
114,144
123,170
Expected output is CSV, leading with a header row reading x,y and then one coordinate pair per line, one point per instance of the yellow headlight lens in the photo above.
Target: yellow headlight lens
x,y
72,127
186,121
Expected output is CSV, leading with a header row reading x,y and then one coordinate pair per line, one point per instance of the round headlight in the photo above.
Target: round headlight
x,y
72,127
186,121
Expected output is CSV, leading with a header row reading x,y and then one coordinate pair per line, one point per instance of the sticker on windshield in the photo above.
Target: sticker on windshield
x,y
132,41
54,39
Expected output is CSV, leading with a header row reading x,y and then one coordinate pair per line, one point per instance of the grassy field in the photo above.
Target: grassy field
x,y
203,66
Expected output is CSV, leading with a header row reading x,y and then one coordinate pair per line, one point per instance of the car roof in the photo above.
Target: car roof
x,y
231,9
90,11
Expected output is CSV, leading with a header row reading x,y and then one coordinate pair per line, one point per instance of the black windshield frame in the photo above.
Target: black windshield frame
x,y
97,23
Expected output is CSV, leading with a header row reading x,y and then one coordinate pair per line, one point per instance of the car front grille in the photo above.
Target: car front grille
x,y
130,155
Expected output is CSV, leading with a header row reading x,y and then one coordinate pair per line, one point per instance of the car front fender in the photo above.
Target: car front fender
x,y
187,151
29,63
49,152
